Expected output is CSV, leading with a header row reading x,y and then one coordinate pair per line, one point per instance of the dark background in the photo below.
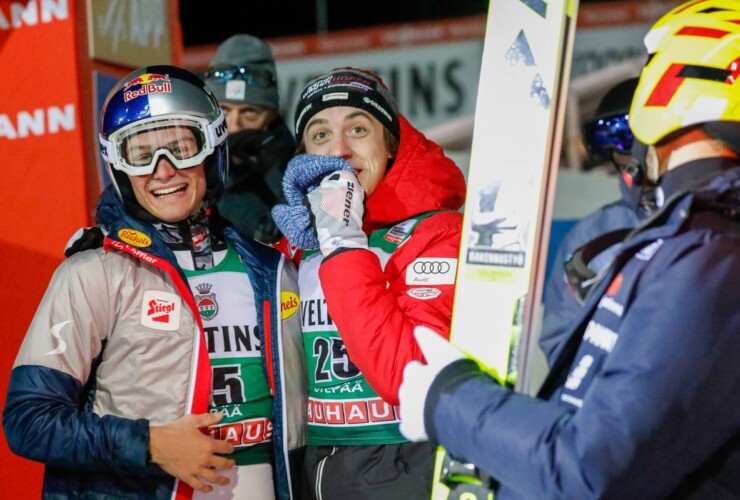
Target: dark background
x,y
276,18
203,25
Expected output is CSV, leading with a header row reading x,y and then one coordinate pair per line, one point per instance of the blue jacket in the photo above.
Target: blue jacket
x,y
83,404
561,307
641,401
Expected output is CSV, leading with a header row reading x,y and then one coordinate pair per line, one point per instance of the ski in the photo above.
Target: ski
x,y
511,180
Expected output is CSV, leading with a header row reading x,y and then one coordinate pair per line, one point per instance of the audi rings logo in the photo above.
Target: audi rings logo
x,y
427,271
431,267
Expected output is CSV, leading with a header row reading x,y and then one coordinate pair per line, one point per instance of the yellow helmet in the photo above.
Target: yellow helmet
x,y
691,72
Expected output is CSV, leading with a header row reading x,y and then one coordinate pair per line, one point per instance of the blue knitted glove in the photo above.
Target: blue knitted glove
x,y
303,174
295,224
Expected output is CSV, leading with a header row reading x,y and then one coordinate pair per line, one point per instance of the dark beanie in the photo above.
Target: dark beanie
x,y
243,72
351,87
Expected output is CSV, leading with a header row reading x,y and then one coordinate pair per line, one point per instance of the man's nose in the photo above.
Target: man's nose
x,y
164,168
341,149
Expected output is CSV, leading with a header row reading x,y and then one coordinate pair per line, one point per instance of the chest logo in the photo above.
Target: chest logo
x,y
431,271
288,304
161,310
206,301
397,233
424,293
135,238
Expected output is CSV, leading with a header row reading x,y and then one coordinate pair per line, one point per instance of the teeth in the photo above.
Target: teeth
x,y
162,192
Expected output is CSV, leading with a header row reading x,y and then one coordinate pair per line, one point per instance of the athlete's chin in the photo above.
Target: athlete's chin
x,y
172,213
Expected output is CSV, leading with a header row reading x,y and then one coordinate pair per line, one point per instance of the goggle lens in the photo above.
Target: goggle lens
x,y
142,149
251,76
607,134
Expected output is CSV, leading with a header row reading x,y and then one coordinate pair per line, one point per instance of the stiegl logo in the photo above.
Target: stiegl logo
x,y
160,310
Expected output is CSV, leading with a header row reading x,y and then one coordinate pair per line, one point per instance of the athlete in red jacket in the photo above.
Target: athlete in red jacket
x,y
369,273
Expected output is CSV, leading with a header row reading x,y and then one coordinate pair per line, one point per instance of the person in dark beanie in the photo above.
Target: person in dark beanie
x,y
373,207
243,78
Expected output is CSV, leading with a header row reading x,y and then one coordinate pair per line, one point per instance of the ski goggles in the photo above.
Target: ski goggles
x,y
253,77
607,134
186,141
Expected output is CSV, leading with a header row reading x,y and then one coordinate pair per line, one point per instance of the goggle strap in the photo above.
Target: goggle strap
x,y
105,149
217,130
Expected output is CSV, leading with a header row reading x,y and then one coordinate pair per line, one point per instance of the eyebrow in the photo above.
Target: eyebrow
x,y
324,121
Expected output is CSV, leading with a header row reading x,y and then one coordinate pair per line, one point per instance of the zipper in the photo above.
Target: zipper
x,y
320,473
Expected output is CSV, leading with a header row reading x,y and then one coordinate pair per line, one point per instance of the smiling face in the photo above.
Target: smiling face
x,y
169,194
352,134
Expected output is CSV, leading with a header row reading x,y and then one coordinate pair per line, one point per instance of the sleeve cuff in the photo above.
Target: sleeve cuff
x,y
446,382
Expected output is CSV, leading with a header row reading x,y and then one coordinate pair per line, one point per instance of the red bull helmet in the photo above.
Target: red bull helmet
x,y
155,98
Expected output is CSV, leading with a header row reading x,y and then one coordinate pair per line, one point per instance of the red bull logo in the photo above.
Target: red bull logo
x,y
147,83
145,78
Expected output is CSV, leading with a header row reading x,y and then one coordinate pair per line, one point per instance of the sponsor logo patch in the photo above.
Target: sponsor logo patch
x,y
236,89
397,233
335,95
134,237
199,236
289,303
431,271
161,310
245,433
351,412
205,301
56,332
579,373
424,293
648,252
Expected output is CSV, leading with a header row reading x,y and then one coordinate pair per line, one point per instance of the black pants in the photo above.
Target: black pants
x,y
373,472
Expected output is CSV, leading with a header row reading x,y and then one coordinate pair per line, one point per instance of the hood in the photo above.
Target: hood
x,y
421,179
710,179
110,208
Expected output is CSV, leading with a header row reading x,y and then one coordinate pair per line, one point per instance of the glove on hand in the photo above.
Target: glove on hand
x,y
337,207
295,224
303,174
418,378
86,238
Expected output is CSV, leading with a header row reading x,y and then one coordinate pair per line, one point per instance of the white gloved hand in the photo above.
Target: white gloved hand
x,y
337,206
418,378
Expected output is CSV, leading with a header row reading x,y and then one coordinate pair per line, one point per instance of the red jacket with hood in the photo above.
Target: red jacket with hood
x,y
370,306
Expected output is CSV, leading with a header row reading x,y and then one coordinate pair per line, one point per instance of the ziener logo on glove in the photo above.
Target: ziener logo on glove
x,y
348,202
